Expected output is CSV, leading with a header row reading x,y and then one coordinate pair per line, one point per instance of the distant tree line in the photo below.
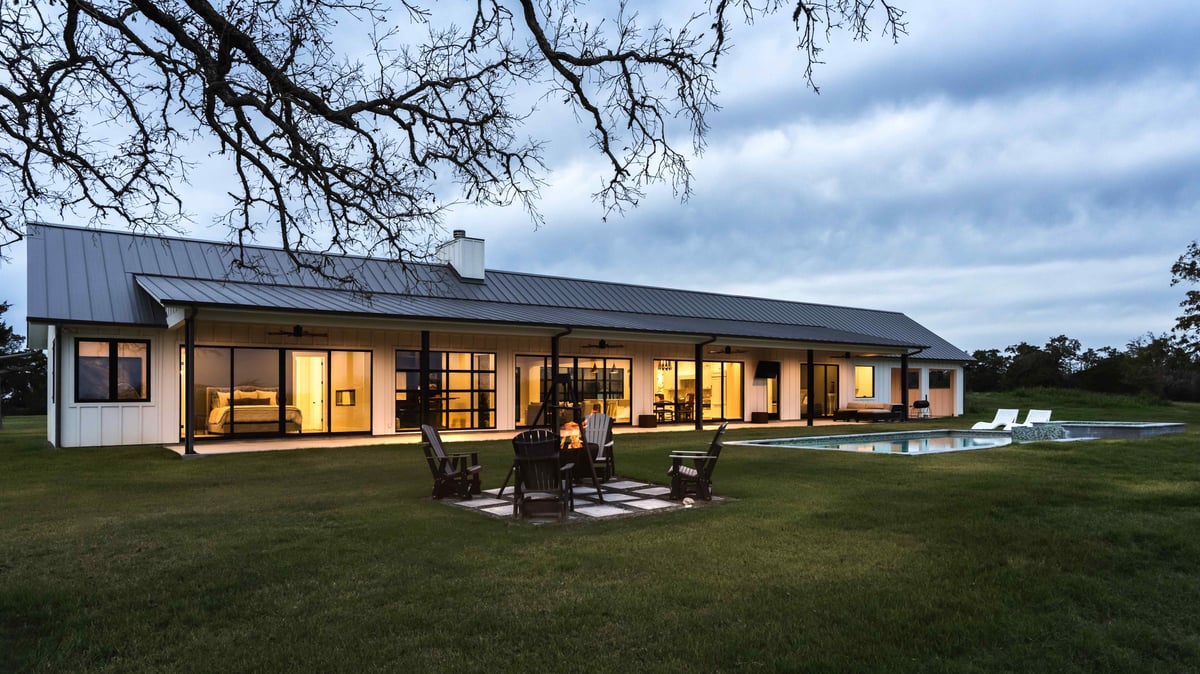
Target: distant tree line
x,y
1162,366
1166,366
22,377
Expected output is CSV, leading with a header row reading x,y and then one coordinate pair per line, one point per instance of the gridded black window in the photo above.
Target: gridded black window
x,y
110,370
462,390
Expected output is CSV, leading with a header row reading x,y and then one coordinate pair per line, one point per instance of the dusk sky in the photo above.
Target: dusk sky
x,y
1009,171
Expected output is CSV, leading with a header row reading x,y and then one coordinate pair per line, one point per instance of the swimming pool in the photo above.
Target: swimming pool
x,y
909,443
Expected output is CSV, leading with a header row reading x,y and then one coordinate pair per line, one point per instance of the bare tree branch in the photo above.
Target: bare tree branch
x,y
343,121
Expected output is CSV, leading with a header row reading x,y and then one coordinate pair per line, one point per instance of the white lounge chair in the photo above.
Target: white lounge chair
x,y
1003,418
1034,417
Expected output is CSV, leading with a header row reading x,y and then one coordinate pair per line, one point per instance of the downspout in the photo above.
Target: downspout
x,y
58,401
698,399
189,384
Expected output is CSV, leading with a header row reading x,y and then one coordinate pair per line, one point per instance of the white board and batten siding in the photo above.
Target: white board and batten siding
x,y
157,420
86,424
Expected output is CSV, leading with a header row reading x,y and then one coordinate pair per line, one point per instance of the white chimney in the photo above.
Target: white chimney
x,y
464,255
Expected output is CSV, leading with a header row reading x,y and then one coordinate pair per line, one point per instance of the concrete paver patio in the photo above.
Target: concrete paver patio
x,y
622,498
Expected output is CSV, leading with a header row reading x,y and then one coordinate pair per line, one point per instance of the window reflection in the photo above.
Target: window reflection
x,y
603,382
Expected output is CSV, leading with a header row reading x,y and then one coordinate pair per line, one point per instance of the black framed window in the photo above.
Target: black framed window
x,y
462,390
112,370
939,379
864,381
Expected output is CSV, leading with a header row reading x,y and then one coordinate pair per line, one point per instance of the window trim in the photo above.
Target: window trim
x,y
113,370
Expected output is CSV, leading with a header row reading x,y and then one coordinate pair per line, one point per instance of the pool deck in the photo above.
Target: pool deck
x,y
207,447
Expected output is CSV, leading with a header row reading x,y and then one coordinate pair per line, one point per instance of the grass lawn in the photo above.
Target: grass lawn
x,y
1041,557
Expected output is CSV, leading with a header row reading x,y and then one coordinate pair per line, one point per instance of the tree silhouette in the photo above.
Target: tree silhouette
x,y
22,374
344,123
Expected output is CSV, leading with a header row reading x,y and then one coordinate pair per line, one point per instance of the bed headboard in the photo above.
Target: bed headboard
x,y
219,396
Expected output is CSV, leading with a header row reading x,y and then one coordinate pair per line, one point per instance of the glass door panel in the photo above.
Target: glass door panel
x,y
350,380
212,391
825,386
722,390
732,386
772,397
531,382
255,400
306,403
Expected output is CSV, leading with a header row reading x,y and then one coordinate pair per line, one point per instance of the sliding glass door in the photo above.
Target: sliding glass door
x,y
243,391
825,391
721,390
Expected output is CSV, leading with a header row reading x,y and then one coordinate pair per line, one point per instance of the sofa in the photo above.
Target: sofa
x,y
869,411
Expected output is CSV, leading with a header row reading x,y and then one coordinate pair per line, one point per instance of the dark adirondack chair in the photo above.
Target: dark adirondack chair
x,y
697,478
540,477
453,474
598,440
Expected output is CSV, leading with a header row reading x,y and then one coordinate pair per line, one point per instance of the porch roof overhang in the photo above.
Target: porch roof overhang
x,y
173,293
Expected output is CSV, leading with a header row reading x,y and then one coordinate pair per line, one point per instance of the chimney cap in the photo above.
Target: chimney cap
x,y
460,233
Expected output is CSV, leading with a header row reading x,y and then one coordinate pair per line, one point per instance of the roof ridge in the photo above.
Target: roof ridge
x,y
699,292
368,258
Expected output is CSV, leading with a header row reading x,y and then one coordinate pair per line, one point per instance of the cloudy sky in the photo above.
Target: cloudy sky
x,y
1010,171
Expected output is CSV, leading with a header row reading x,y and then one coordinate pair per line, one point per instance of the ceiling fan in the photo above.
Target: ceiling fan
x,y
727,350
603,344
298,331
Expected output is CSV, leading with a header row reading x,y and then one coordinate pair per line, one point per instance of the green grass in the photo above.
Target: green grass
x,y
1042,557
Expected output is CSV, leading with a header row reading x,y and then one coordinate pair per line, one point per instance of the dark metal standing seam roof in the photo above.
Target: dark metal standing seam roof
x,y
96,276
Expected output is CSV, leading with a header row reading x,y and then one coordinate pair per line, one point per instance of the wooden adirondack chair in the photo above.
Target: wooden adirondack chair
x,y
453,474
696,478
540,477
598,440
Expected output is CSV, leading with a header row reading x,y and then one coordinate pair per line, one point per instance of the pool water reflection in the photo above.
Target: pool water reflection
x,y
911,443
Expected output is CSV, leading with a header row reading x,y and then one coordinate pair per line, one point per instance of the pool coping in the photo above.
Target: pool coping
x,y
1096,430
869,437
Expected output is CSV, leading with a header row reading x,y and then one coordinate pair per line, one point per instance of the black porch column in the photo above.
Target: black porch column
x,y
698,401
423,397
189,385
810,379
904,384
